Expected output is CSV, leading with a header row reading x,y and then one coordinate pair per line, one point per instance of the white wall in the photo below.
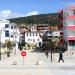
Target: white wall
x,y
56,33
15,32
30,38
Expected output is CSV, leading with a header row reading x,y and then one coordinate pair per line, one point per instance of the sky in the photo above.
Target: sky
x,y
21,8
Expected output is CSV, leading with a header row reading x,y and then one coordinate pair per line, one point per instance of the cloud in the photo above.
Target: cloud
x,y
6,14
32,13
68,3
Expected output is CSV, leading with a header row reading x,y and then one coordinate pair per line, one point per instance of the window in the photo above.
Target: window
x,y
11,35
27,34
6,25
12,27
56,36
74,12
36,34
38,39
71,42
74,22
30,34
15,27
71,32
22,36
61,33
28,39
32,29
33,34
33,40
6,33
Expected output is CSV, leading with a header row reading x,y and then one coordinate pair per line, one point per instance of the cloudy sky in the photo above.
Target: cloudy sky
x,y
20,8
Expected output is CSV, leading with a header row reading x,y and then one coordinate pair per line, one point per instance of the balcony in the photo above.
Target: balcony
x,y
71,16
71,27
71,38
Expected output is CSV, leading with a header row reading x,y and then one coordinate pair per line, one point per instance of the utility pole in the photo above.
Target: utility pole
x,y
51,55
50,39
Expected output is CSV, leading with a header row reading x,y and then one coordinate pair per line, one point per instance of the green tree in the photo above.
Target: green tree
x,y
9,44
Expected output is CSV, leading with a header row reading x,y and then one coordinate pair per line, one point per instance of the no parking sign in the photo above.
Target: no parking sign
x,y
23,53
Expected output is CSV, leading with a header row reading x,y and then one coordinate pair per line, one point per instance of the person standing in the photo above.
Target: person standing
x,y
60,56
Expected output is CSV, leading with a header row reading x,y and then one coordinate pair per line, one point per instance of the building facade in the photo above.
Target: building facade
x,y
32,34
32,37
9,31
68,19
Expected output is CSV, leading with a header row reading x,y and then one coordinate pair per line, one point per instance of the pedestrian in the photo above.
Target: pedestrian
x,y
60,56
20,48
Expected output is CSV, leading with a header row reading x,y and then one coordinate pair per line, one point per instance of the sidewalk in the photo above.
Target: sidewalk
x,y
67,58
34,58
30,59
14,65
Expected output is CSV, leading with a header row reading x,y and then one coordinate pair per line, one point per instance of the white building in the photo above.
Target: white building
x,y
33,36
55,34
9,31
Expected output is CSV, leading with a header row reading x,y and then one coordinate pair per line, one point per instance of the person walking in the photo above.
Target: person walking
x,y
60,56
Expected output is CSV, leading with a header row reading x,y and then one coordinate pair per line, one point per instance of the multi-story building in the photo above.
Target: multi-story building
x,y
42,27
32,34
68,18
9,31
32,37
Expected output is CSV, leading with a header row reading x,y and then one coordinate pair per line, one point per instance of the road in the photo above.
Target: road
x,y
45,67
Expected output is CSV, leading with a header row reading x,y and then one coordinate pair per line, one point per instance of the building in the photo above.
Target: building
x,y
42,27
9,31
51,39
68,19
53,35
32,34
32,37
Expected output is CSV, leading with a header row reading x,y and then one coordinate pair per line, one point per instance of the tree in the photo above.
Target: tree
x,y
9,44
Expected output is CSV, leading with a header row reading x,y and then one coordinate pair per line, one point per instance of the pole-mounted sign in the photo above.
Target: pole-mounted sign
x,y
23,53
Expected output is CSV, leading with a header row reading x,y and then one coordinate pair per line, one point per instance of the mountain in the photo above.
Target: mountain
x,y
51,19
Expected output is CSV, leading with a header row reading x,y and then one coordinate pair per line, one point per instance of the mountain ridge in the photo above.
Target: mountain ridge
x,y
50,18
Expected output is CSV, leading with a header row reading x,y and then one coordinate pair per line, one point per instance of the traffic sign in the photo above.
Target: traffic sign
x,y
23,53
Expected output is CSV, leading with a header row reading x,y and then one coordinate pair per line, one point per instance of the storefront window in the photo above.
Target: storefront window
x,y
71,42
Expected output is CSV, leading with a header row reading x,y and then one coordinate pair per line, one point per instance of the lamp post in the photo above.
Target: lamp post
x,y
50,39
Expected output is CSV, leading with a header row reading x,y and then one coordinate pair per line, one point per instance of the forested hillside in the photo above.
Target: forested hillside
x,y
51,19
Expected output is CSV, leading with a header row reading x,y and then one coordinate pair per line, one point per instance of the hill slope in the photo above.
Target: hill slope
x,y
51,19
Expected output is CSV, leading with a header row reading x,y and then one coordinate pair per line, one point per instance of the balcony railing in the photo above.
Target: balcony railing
x,y
71,16
71,38
71,27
